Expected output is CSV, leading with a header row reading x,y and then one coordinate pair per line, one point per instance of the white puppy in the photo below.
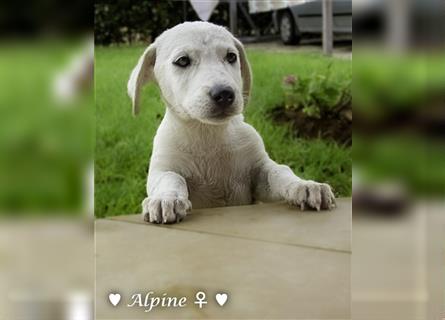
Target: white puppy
x,y
203,152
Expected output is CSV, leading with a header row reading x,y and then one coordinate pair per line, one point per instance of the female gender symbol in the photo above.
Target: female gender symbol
x,y
200,297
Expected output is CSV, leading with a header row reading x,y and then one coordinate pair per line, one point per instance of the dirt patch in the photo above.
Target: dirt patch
x,y
334,126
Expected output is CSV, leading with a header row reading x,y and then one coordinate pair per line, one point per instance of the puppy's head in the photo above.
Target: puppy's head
x,y
201,69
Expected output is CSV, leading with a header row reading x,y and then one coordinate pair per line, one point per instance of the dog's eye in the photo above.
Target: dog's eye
x,y
182,62
231,57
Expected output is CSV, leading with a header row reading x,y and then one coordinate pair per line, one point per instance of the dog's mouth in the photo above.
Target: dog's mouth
x,y
212,113
222,113
219,117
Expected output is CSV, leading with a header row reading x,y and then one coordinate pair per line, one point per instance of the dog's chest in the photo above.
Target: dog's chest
x,y
218,178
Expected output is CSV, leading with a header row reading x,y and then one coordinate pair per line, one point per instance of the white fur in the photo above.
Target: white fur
x,y
198,159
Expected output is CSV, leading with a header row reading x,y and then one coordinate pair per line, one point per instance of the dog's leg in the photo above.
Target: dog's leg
x,y
276,182
167,200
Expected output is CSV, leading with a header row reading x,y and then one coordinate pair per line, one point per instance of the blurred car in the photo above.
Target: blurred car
x,y
305,19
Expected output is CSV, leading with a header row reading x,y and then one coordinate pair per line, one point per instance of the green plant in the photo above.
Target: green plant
x,y
317,94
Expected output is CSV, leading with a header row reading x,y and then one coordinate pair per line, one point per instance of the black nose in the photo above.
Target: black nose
x,y
223,96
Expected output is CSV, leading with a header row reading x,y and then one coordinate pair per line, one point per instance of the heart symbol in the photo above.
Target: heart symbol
x,y
114,298
221,298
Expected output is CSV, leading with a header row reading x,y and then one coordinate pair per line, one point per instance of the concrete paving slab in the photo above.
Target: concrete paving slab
x,y
271,222
398,263
46,268
263,279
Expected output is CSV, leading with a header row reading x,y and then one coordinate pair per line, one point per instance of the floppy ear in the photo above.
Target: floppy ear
x,y
141,74
246,72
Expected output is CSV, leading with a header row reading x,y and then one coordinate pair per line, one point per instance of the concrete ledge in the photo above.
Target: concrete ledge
x,y
272,260
270,222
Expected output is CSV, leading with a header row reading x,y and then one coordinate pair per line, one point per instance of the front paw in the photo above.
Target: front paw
x,y
165,209
311,194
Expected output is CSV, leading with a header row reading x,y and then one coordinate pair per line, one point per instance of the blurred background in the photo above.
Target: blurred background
x,y
46,160
46,106
398,269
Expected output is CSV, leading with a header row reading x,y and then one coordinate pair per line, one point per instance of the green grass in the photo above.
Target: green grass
x,y
124,143
44,147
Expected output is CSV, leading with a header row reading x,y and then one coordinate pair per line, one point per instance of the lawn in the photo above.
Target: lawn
x,y
44,146
124,143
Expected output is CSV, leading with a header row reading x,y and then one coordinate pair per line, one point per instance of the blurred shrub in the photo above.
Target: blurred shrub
x,y
396,85
399,120
126,21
